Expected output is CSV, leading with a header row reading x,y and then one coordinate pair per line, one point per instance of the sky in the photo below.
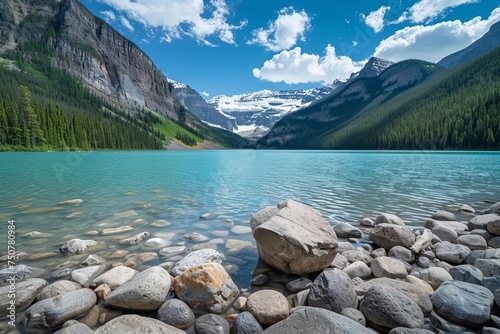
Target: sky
x,y
227,47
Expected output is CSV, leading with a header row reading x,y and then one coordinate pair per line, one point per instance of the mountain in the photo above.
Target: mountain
x,y
255,113
410,105
372,68
196,104
60,44
483,45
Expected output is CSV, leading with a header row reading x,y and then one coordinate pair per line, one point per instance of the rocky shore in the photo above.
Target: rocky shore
x,y
373,276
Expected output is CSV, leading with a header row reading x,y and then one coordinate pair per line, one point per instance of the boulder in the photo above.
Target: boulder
x,y
435,276
49,314
409,289
489,267
388,236
456,226
389,218
207,285
358,269
445,233
195,258
358,255
268,306
345,246
482,221
84,276
388,267
463,303
443,215
77,246
495,208
332,290
114,277
176,313
57,288
451,253
211,324
145,291
25,293
323,321
472,241
482,254
493,226
262,216
420,283
466,273
401,253
346,230
491,283
245,323
133,323
386,308
296,240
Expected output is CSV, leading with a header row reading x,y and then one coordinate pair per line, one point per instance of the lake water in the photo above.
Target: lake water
x,y
180,186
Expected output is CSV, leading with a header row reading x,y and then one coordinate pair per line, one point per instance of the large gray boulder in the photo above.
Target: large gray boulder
x,y
444,215
489,267
135,324
25,292
482,221
389,235
388,267
332,290
386,308
463,303
466,273
321,320
146,291
451,253
49,314
296,240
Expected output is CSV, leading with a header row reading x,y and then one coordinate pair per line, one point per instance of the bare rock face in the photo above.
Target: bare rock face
x,y
297,239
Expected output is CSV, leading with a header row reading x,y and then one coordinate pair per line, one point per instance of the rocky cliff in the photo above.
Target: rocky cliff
x,y
87,47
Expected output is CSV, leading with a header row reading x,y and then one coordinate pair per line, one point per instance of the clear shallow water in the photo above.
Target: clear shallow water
x,y
179,186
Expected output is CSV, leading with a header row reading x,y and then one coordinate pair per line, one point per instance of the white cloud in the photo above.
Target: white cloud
x,y
434,42
178,18
109,15
430,9
205,94
284,32
126,23
375,20
294,67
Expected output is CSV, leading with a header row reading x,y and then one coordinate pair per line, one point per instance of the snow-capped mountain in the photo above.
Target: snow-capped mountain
x,y
257,112
196,104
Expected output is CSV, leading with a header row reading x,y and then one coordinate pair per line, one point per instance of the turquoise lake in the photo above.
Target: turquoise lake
x,y
180,186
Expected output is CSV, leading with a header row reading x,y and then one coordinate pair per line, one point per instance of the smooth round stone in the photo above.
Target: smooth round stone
x,y
445,233
332,290
93,260
388,267
482,222
118,254
491,283
196,258
401,253
36,234
389,218
467,209
116,230
245,323
237,245
358,255
354,314
176,313
466,273
260,279
420,283
379,252
489,267
155,243
494,242
451,253
77,246
268,306
484,233
82,276
171,251
211,324
463,303
490,330
240,302
473,241
25,292
220,233
75,328
241,229
62,273
143,257
146,291
207,215
358,269
135,239
367,222
115,277
58,288
423,262
435,276
389,235
385,308
298,284
443,215
160,223
346,230
132,323
322,321
195,237
48,314
44,255
367,247
344,246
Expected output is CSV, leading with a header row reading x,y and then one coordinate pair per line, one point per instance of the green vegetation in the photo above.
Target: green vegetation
x,y
456,109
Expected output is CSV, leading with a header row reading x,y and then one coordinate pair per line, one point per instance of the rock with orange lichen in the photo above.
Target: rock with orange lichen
x,y
206,286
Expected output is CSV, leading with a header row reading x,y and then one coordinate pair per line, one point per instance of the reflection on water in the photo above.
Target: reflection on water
x,y
139,188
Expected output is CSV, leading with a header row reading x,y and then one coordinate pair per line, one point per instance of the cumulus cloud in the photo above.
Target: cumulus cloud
x,y
294,67
205,94
430,9
126,23
375,20
434,42
109,15
284,32
178,18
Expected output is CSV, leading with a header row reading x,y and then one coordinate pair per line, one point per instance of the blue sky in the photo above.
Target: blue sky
x,y
236,46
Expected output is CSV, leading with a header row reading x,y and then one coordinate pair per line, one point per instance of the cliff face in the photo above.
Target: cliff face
x,y
87,47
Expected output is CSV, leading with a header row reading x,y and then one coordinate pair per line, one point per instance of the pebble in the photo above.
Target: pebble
x,y
170,251
260,279
206,216
72,201
211,324
423,262
298,284
155,243
176,313
160,223
435,276
134,240
118,254
143,257
346,230
195,237
102,291
367,222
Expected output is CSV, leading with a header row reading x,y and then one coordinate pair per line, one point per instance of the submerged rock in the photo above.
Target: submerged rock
x,y
77,246
195,258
